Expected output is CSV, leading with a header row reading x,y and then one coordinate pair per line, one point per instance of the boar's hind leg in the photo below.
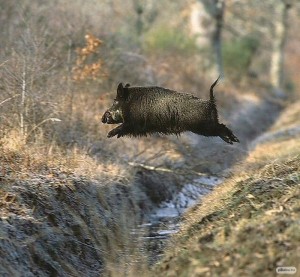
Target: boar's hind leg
x,y
226,134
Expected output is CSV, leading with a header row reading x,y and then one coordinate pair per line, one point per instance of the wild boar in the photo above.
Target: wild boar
x,y
147,110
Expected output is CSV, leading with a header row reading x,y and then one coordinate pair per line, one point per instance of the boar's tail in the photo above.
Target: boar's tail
x,y
213,107
212,97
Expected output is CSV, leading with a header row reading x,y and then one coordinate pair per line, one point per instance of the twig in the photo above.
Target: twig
x,y
45,120
163,169
10,98
149,167
23,99
3,63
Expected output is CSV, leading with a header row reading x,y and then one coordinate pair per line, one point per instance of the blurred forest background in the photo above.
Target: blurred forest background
x,y
61,61
69,196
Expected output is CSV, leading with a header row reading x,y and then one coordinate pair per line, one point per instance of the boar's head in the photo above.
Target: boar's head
x,y
114,115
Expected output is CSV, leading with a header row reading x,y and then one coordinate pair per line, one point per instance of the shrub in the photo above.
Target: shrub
x,y
238,55
164,39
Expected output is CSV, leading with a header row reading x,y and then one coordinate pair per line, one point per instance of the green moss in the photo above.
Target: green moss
x,y
237,56
166,40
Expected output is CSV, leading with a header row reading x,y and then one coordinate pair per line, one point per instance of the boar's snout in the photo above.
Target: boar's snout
x,y
107,118
113,115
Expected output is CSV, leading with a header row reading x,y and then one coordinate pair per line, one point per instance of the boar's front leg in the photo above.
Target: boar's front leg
x,y
119,131
115,132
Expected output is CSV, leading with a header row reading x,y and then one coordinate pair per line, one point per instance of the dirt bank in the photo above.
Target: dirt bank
x,y
249,225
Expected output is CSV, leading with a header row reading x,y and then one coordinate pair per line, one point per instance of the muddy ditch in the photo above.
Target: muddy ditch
x,y
55,223
164,219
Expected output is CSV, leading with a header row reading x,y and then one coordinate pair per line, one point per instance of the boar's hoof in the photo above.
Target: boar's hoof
x,y
226,134
111,134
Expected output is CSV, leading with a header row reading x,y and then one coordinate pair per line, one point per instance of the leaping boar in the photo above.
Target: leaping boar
x,y
148,110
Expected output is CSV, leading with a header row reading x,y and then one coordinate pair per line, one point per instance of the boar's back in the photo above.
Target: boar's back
x,y
163,110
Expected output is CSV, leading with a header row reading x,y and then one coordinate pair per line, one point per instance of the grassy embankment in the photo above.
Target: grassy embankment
x,y
249,225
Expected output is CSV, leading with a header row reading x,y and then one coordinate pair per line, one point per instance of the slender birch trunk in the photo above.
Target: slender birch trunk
x,y
279,39
70,91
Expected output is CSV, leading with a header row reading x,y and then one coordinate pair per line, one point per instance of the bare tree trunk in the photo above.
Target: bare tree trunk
x,y
206,24
200,24
217,36
139,10
70,92
280,30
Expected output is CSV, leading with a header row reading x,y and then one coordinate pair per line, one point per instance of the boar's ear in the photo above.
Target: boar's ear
x,y
122,92
127,85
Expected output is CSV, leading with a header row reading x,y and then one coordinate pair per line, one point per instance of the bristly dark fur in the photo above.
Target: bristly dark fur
x,y
147,110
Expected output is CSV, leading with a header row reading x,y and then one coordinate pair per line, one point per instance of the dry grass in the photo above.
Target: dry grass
x,y
93,204
91,194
